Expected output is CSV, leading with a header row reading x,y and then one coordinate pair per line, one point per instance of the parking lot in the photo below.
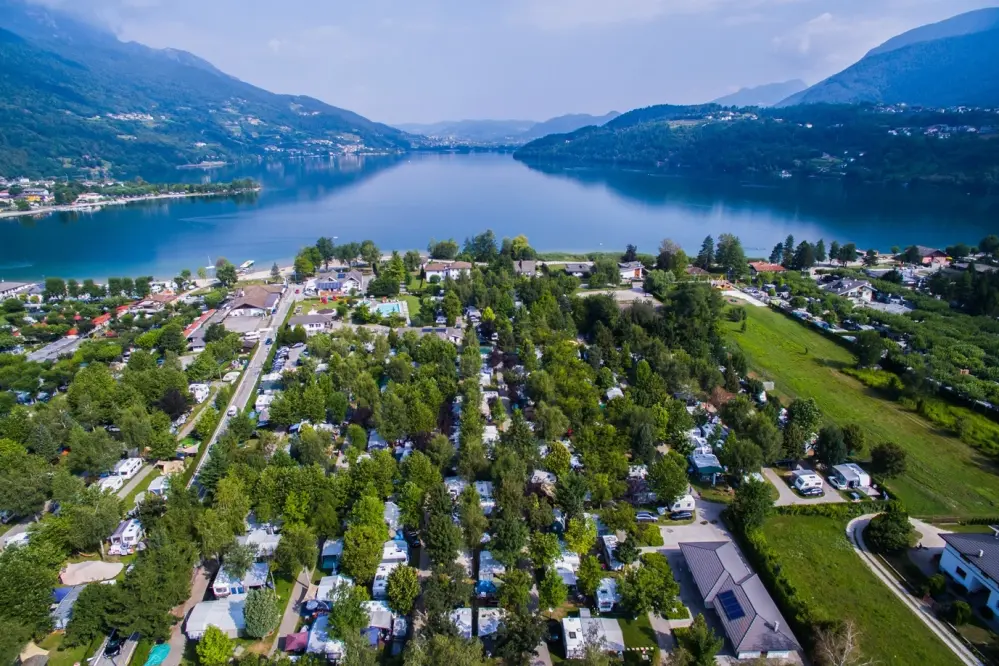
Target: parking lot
x,y
788,496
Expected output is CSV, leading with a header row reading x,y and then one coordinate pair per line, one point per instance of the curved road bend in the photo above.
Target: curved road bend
x,y
854,532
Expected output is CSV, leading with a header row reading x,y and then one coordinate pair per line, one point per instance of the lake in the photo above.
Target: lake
x,y
401,203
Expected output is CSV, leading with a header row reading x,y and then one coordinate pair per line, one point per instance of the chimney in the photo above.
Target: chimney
x,y
776,626
981,553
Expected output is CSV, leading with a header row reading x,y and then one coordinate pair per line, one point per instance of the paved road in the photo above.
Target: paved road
x,y
248,381
143,472
788,496
930,546
854,531
125,656
299,592
178,640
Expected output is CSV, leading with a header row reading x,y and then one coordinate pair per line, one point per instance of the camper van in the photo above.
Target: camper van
x,y
128,467
685,503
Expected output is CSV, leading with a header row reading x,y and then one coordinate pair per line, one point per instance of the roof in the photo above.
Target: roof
x,y
607,631
695,270
262,297
305,320
970,545
454,265
930,251
706,463
524,266
8,286
489,621
90,572
265,540
462,619
766,267
255,576
332,548
379,614
65,597
320,642
296,642
327,584
578,268
849,471
226,614
750,617
844,286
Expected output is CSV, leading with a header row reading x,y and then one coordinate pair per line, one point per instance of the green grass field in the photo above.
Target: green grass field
x,y
946,477
817,558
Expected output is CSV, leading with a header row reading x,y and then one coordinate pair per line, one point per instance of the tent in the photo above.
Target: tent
x,y
296,642
90,572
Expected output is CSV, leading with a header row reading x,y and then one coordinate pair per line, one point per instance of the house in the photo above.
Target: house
x,y
449,270
579,632
608,543
489,621
607,596
614,392
127,468
351,281
264,538
567,565
320,641
972,560
849,475
455,485
380,616
159,486
331,554
859,290
255,577
631,270
461,618
805,479
127,536
62,610
101,321
328,585
486,500
750,617
255,301
225,614
578,270
200,392
931,256
758,267
312,323
696,272
12,289
489,570
525,268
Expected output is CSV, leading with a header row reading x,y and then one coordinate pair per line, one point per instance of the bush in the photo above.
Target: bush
x,y
648,534
960,613
889,532
936,584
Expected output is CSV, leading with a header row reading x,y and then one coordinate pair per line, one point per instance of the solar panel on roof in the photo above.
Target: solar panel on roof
x,y
730,605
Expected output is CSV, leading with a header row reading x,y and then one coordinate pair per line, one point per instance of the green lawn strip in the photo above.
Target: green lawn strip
x,y
60,655
413,302
945,478
816,557
638,633
129,500
142,650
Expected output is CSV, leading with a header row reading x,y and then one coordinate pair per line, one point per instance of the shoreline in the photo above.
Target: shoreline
x,y
97,206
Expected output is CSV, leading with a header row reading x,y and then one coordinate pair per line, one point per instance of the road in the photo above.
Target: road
x,y
299,591
178,640
788,496
145,471
127,650
248,381
855,532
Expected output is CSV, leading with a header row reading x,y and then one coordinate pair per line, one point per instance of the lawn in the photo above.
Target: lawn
x,y
946,477
129,500
413,302
639,634
60,655
820,563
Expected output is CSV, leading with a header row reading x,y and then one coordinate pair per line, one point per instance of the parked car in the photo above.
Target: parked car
x,y
811,492
232,411
269,341
681,515
113,647
645,517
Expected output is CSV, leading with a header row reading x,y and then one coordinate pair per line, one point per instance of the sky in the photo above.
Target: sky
x,y
401,61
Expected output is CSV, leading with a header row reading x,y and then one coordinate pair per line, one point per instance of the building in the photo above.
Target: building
x,y
931,256
328,585
567,565
486,500
256,301
12,289
312,323
264,538
462,620
449,270
101,321
490,620
607,596
111,484
331,554
127,536
631,270
379,586
849,475
578,270
751,620
320,641
578,632
159,486
858,290
972,560
396,551
525,268
225,614
225,585
489,571
758,267
706,465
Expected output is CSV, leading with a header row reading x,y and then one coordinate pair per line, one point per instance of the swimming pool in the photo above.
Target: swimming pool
x,y
388,309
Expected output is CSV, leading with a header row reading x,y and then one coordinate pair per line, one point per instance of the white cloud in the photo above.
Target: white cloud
x,y
569,14
829,42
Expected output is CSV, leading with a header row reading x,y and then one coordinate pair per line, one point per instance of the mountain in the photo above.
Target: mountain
x,y
951,63
475,131
765,95
74,97
505,132
567,123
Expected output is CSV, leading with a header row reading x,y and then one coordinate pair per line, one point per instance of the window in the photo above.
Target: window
x,y
961,573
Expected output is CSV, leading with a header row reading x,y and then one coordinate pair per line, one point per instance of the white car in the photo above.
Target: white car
x,y
836,483
232,411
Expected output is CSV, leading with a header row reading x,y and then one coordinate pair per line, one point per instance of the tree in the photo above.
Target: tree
x,y
839,645
581,535
643,589
751,505
93,518
627,552
834,251
27,577
297,548
518,638
431,649
558,460
403,589
327,250
699,643
24,482
871,258
358,651
369,252
239,558
889,459
93,452
731,256
262,612
830,447
544,549
473,519
820,251
912,256
667,480
706,257
90,614
347,614
214,648
362,550
275,272
889,532
552,591
868,349
855,438
226,274
741,456
658,283
589,575
509,538
451,307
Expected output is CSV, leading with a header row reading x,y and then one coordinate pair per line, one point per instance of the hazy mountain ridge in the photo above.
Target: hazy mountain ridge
x,y
72,96
767,94
954,62
510,132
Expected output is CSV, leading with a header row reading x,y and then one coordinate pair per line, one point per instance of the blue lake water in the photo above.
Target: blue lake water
x,y
401,203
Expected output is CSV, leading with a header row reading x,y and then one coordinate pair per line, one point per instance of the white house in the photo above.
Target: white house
x,y
631,270
320,641
567,566
849,475
446,270
159,486
486,500
578,631
328,585
127,468
312,323
462,620
972,560
607,595
490,620
858,290
263,537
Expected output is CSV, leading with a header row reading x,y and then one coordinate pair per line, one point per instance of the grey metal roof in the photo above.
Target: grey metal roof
x,y
970,545
717,567
304,320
